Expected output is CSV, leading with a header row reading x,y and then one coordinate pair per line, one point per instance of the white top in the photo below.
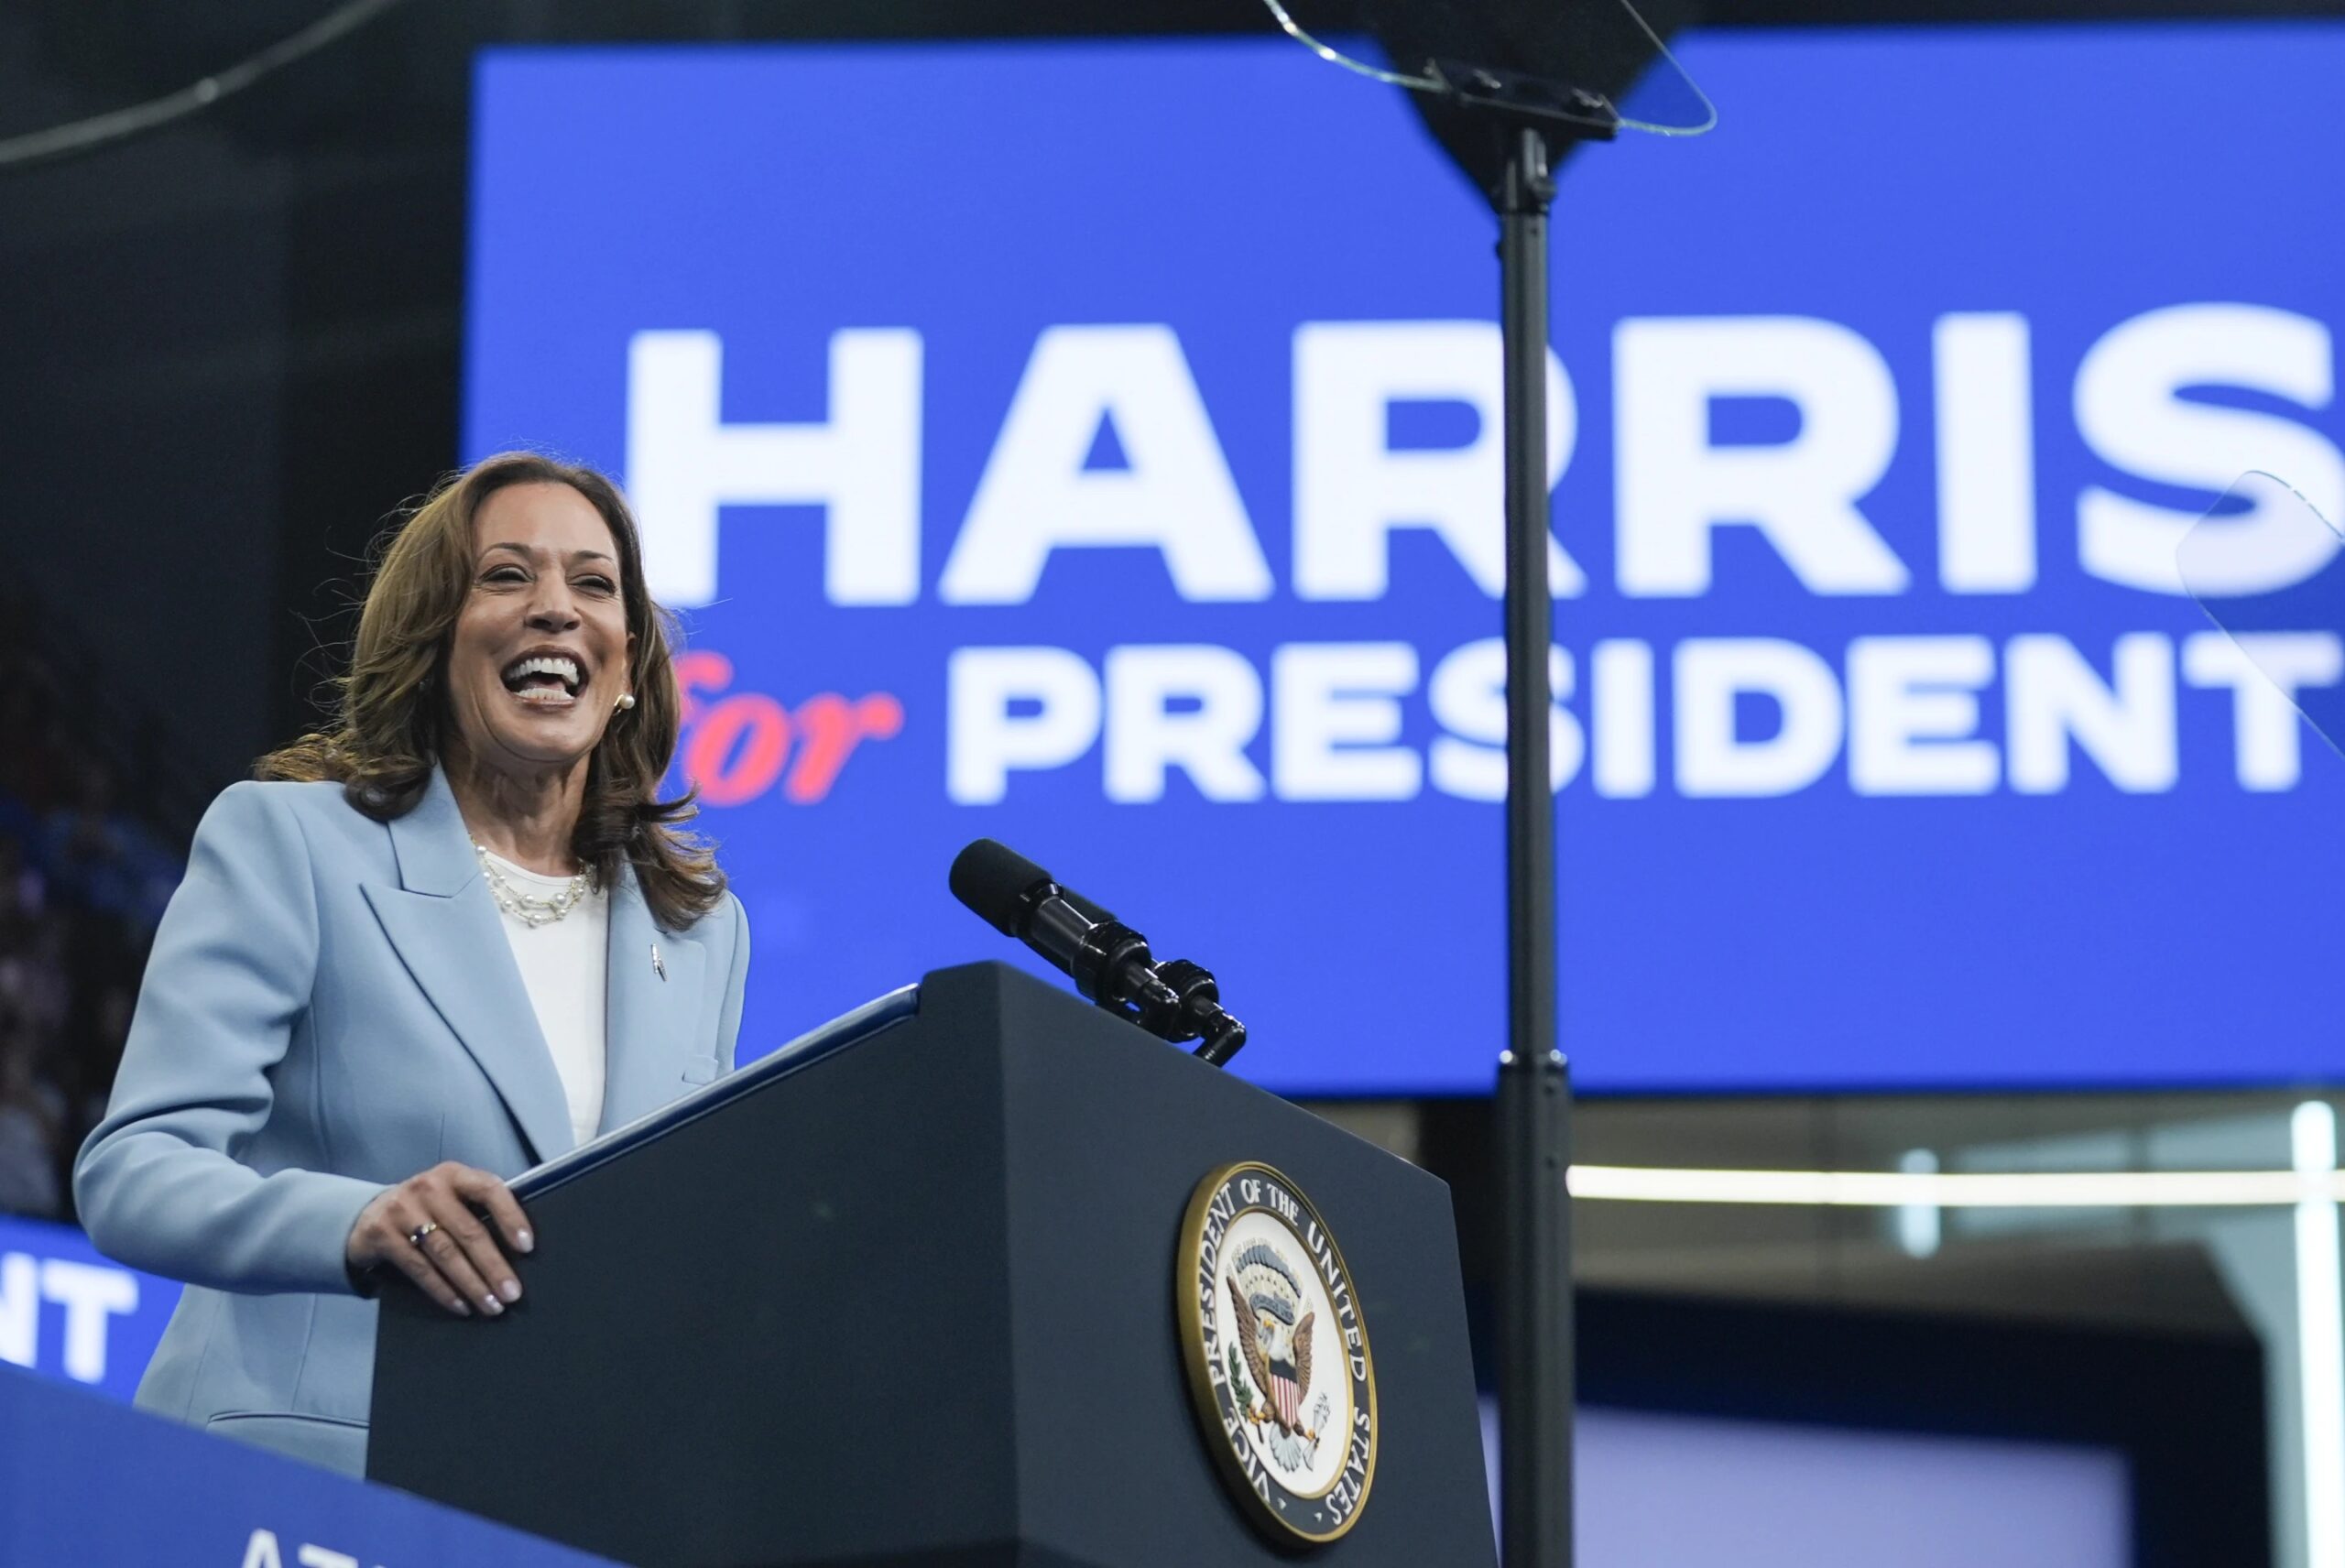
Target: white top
x,y
564,963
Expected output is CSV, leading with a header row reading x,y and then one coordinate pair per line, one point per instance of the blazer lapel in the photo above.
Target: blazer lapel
x,y
650,1010
448,932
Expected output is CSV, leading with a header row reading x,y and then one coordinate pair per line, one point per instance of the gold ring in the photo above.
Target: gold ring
x,y
420,1232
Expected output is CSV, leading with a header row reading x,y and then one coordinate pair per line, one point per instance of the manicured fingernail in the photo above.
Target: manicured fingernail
x,y
491,1305
510,1290
462,1311
526,1242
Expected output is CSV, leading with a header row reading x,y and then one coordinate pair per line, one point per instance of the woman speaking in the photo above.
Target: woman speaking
x,y
454,935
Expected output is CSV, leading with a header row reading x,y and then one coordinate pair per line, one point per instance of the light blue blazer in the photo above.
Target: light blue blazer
x,y
332,1006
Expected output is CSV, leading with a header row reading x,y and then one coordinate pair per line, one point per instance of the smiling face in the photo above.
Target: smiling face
x,y
540,650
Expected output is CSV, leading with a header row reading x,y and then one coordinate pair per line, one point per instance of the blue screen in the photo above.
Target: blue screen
x,y
1095,446
70,1312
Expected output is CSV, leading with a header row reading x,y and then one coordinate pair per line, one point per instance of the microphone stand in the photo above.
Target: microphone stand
x,y
1535,1313
1534,1317
1533,116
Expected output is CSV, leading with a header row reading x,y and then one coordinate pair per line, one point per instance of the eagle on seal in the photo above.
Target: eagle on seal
x,y
1265,1299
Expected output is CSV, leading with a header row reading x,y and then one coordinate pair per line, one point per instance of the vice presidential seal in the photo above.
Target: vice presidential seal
x,y
1277,1354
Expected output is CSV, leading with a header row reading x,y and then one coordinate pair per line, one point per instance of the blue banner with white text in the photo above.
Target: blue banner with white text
x,y
74,1315
84,1481
1096,446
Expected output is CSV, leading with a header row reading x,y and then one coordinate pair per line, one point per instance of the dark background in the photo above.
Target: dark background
x,y
229,348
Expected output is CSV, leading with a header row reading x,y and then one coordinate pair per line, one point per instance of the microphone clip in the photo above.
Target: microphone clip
x,y
1109,962
1111,966
1199,1012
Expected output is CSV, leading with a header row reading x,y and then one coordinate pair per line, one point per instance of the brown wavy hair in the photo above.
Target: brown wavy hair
x,y
390,710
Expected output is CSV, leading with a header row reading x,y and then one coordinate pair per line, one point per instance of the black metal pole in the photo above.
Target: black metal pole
x,y
1535,1373
1535,1319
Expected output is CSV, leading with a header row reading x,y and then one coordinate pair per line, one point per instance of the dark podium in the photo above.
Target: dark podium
x,y
903,1294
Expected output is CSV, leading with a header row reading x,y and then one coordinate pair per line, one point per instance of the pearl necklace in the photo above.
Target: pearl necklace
x,y
528,908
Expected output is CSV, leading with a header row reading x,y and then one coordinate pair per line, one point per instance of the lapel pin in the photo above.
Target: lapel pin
x,y
657,968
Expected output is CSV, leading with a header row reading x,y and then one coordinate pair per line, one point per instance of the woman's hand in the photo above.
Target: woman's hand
x,y
457,1263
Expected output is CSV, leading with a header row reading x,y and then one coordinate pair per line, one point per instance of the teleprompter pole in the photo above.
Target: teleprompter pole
x,y
1534,1317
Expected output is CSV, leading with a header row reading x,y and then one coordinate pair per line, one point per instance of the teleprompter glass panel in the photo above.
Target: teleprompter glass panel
x,y
1595,64
2265,564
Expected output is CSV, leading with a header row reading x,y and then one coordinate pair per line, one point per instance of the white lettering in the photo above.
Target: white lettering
x,y
2131,410
90,1294
1207,741
1467,692
1173,493
1620,713
2052,696
1675,487
2265,671
683,462
1712,758
1335,714
19,1308
984,739
1752,716
1913,714
1986,453
1352,490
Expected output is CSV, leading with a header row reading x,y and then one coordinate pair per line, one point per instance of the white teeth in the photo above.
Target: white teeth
x,y
566,669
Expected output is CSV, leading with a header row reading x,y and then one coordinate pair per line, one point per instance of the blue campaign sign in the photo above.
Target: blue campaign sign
x,y
83,1480
69,1312
1095,447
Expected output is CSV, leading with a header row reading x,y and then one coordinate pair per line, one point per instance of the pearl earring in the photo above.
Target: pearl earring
x,y
626,701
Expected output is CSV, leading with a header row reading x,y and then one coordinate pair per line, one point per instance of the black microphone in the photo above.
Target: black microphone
x,y
1108,960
